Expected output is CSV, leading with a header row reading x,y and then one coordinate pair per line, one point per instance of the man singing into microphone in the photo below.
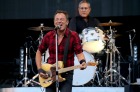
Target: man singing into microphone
x,y
65,39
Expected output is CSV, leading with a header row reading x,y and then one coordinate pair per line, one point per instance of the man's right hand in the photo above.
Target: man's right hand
x,y
43,73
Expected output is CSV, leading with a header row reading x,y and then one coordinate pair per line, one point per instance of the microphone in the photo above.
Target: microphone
x,y
133,30
57,27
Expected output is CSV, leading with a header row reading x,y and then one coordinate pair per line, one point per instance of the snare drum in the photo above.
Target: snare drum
x,y
93,40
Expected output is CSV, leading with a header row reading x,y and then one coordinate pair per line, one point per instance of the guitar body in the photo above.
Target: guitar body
x,y
51,70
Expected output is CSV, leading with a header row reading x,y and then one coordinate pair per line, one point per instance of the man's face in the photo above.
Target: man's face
x,y
84,9
61,20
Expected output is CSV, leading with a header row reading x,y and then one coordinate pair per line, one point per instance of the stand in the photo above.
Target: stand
x,y
131,50
40,39
56,41
25,79
98,76
32,80
112,76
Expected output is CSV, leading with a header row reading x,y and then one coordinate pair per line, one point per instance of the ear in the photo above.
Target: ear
x,y
67,22
90,9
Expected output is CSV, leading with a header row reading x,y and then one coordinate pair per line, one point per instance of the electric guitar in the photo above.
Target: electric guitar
x,y
51,71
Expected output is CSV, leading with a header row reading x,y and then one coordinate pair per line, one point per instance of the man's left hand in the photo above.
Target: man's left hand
x,y
83,66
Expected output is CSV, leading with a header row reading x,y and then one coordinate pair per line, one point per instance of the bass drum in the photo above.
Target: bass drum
x,y
93,40
82,77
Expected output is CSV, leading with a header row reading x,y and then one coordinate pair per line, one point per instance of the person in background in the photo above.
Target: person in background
x,y
74,48
82,21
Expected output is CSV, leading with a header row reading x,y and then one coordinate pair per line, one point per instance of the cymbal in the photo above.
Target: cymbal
x,y
39,28
110,24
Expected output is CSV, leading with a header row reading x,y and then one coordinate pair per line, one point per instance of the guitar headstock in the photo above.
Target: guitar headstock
x,y
90,63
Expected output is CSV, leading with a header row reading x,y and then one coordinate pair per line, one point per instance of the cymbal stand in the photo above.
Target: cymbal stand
x,y
112,42
41,34
120,76
110,53
112,73
40,40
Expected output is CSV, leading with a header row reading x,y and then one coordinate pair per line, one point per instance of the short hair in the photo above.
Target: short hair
x,y
84,1
64,12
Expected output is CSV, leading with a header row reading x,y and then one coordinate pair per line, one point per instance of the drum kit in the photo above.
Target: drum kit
x,y
94,40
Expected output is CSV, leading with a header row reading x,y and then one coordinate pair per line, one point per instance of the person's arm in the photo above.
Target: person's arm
x,y
78,51
41,72
82,61
80,57
38,59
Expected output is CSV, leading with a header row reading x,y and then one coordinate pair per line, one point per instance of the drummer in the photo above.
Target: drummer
x,y
84,20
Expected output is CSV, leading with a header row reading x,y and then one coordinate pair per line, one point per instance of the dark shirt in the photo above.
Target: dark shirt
x,y
78,24
50,43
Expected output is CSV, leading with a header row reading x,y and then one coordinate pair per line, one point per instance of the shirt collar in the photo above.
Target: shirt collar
x,y
65,34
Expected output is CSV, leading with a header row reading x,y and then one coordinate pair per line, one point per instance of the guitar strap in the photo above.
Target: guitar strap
x,y
66,48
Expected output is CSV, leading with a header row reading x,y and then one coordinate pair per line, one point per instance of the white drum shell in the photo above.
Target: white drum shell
x,y
82,77
93,40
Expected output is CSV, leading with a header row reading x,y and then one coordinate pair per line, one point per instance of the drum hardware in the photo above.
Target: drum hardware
x,y
40,28
111,75
98,75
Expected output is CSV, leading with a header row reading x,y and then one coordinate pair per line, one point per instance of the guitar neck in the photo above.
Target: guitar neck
x,y
62,70
68,69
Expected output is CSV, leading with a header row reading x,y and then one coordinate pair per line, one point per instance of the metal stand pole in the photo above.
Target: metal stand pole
x,y
111,55
56,41
25,79
40,39
32,80
26,64
120,76
97,75
131,50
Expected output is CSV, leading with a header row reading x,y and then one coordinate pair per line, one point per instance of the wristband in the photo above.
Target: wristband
x,y
41,70
83,60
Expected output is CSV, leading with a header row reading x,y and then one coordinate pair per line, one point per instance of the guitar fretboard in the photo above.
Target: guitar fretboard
x,y
68,69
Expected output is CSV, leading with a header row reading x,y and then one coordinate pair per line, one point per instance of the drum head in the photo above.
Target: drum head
x,y
82,77
93,40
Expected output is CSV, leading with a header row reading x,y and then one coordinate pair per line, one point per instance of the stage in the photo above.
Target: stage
x,y
75,89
